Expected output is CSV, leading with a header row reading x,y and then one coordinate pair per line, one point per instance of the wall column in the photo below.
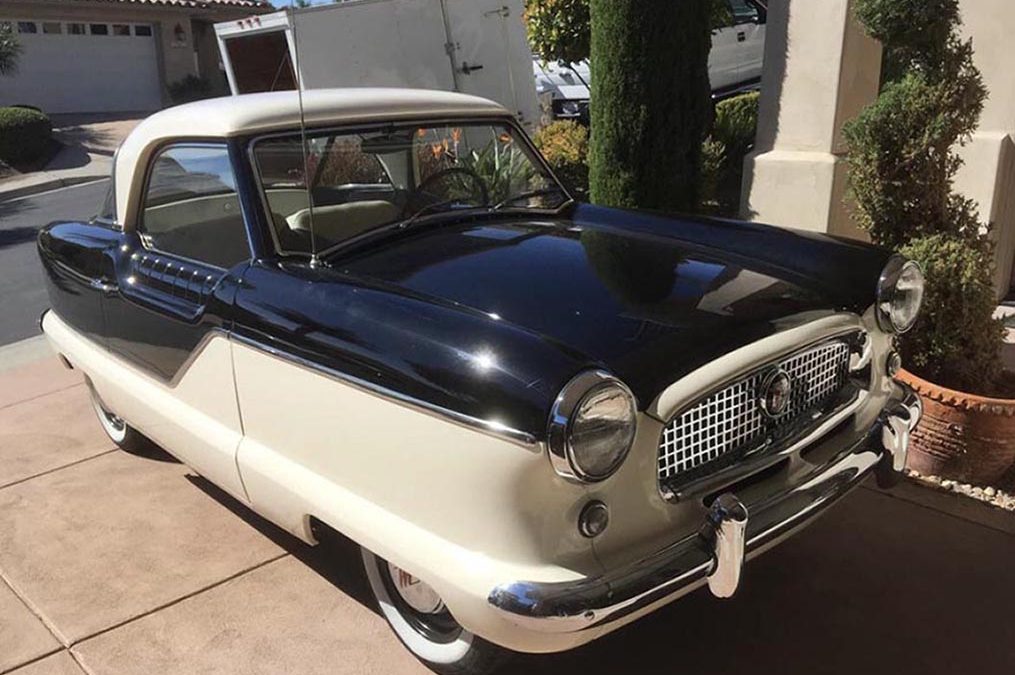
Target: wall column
x,y
821,69
988,176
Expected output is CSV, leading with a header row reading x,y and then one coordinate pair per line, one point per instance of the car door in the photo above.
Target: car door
x,y
177,270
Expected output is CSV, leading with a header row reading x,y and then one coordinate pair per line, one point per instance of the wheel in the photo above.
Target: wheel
x,y
419,618
126,438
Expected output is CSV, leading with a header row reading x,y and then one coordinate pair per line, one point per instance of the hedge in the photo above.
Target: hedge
x,y
25,134
565,145
651,102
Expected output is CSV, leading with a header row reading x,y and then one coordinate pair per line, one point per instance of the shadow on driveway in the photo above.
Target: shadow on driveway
x,y
879,585
16,235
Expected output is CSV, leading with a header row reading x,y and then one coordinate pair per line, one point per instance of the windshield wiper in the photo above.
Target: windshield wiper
x,y
556,189
429,208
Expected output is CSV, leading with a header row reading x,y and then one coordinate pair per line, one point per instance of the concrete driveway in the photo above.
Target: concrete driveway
x,y
113,564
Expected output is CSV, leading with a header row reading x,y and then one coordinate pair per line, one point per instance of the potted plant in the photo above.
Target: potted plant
x,y
902,164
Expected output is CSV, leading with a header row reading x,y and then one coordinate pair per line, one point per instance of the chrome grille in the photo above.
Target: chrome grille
x,y
731,420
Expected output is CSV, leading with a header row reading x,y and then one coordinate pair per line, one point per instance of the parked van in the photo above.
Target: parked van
x,y
473,46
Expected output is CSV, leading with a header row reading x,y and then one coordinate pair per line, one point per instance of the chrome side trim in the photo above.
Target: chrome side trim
x,y
489,427
195,353
104,286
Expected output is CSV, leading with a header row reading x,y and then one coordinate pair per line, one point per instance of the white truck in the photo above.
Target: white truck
x,y
472,46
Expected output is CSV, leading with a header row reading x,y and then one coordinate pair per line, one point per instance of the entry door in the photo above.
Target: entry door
x,y
177,274
492,55
72,66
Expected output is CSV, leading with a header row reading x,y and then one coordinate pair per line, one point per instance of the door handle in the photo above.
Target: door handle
x,y
466,68
741,36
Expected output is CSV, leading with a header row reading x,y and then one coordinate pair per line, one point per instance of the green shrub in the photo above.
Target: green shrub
x,y
565,144
191,88
736,122
25,134
713,161
955,340
558,29
723,153
902,167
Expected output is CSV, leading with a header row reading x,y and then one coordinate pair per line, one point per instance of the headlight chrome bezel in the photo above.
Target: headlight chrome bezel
x,y
886,293
562,418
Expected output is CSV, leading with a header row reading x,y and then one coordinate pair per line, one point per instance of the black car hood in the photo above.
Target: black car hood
x,y
648,298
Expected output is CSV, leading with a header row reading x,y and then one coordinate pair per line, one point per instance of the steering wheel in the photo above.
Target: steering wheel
x,y
456,177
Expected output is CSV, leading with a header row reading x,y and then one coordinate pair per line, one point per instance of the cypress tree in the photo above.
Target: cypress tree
x,y
651,102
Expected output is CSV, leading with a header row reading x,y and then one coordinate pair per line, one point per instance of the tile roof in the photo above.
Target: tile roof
x,y
193,4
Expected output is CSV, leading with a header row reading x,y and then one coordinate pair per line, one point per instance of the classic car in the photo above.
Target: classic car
x,y
377,312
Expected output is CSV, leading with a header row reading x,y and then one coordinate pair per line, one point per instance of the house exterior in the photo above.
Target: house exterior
x,y
107,56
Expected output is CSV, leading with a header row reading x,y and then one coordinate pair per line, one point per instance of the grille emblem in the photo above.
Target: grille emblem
x,y
775,393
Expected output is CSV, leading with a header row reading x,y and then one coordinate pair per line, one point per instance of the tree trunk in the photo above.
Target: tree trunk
x,y
651,102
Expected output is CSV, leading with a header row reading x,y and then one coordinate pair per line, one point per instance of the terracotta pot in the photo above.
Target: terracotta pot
x,y
962,436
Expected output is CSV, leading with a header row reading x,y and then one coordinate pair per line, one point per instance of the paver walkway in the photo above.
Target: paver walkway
x,y
112,564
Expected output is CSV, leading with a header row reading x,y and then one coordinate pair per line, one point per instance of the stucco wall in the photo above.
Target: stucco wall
x,y
820,70
989,172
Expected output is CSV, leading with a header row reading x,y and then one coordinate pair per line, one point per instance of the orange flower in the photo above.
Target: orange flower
x,y
456,135
437,149
505,138
421,133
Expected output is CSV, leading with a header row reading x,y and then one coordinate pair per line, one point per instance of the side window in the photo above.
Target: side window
x,y
743,11
354,186
191,208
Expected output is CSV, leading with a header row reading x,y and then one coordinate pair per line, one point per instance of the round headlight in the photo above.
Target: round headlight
x,y
592,427
900,294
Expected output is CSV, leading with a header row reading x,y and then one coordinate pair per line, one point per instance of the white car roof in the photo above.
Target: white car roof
x,y
257,113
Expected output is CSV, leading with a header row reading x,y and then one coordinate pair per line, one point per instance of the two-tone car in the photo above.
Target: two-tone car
x,y
377,312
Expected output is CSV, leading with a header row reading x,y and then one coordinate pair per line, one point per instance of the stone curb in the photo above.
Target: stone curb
x,y
10,194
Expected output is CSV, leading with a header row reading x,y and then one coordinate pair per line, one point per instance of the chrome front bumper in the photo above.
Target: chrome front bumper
x,y
718,551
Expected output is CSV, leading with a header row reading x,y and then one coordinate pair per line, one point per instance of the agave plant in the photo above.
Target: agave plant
x,y
503,167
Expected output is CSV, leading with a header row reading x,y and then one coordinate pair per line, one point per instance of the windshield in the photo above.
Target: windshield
x,y
359,182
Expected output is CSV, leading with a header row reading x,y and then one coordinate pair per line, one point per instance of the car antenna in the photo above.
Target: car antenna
x,y
314,260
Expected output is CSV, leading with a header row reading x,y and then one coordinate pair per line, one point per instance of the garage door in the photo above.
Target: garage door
x,y
85,67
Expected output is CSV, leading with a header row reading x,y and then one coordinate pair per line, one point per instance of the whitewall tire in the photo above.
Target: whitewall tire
x,y
118,431
422,623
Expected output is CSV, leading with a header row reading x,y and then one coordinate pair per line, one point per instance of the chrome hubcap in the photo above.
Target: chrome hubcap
x,y
417,594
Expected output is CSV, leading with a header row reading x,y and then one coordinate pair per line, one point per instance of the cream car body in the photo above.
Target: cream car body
x,y
418,391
